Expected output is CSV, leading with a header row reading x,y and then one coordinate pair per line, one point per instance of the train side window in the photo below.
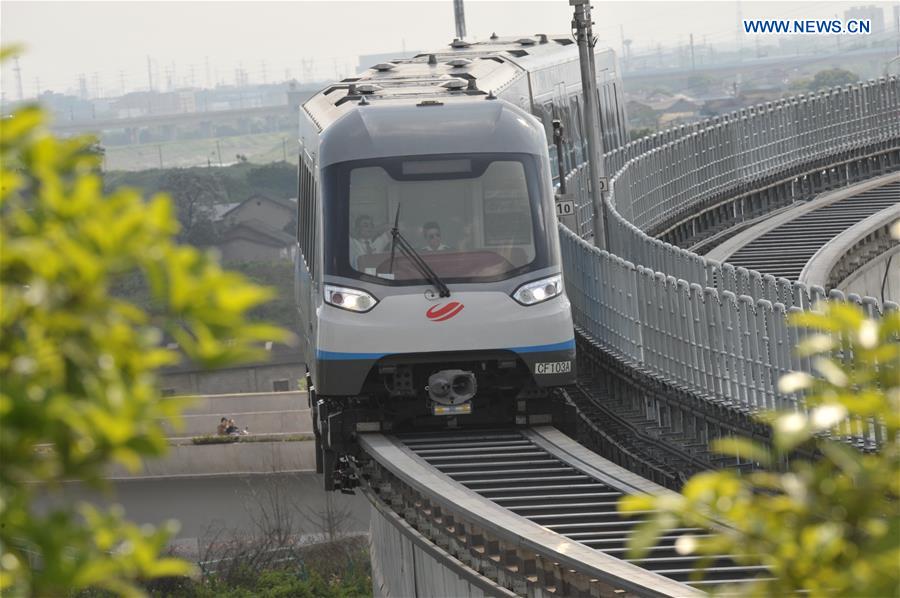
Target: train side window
x,y
308,219
304,200
314,212
301,181
306,216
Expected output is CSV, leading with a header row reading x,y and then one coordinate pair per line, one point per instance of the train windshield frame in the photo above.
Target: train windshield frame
x,y
472,217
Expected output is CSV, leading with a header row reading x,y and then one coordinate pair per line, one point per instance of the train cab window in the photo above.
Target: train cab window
x,y
468,217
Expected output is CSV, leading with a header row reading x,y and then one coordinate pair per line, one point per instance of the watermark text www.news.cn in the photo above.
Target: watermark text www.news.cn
x,y
808,26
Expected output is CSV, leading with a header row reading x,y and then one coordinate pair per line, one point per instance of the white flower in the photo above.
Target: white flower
x,y
793,382
868,334
828,416
685,545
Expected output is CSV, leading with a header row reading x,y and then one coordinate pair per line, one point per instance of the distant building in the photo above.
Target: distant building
x,y
874,14
66,107
682,105
258,229
142,103
274,213
253,241
723,105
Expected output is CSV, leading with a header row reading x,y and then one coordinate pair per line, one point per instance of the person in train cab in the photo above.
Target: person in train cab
x,y
222,428
432,233
367,238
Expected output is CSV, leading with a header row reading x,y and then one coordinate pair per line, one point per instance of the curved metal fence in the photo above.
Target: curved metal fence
x,y
717,330
682,170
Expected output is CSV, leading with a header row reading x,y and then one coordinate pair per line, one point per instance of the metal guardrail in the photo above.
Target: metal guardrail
x,y
714,329
723,155
686,169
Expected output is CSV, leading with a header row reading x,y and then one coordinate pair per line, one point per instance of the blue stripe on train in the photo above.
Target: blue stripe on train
x,y
337,355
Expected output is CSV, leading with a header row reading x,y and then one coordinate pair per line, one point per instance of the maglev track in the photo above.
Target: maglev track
x,y
786,249
527,473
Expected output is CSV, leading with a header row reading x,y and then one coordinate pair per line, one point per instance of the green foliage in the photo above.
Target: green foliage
x,y
283,583
832,78
641,116
828,526
233,183
230,439
215,439
195,192
278,179
289,584
639,133
280,277
78,366
339,569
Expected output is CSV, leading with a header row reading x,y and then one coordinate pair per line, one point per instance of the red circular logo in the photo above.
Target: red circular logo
x,y
440,313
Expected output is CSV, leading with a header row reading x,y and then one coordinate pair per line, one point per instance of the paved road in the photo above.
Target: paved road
x,y
217,506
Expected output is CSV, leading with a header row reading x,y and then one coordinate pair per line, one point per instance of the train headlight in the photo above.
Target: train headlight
x,y
349,299
539,290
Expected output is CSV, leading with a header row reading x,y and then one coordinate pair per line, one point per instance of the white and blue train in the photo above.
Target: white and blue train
x,y
428,276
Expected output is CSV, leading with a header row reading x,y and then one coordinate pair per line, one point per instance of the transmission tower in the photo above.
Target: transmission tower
x,y
18,70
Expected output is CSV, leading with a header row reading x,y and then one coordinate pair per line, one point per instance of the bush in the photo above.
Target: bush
x,y
230,439
215,439
78,366
329,570
828,526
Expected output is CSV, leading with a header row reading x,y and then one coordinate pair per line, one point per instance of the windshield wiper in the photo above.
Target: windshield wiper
x,y
398,240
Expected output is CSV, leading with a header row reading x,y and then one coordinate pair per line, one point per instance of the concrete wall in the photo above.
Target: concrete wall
x,y
297,421
252,378
868,280
234,458
405,564
246,402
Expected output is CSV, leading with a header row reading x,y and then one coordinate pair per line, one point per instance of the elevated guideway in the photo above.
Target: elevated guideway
x,y
530,510
783,245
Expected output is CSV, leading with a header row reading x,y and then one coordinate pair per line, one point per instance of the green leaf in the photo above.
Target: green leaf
x,y
744,448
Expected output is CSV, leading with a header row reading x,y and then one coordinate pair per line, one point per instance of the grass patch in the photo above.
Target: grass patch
x,y
216,439
259,148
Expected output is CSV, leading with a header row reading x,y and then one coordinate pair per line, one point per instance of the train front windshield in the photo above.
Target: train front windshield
x,y
471,218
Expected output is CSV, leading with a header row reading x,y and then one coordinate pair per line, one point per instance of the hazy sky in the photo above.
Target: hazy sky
x,y
108,43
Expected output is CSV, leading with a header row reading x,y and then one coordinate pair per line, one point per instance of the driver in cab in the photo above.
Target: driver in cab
x,y
367,239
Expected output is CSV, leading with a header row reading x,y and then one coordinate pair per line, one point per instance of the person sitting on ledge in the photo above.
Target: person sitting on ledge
x,y
232,429
222,428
